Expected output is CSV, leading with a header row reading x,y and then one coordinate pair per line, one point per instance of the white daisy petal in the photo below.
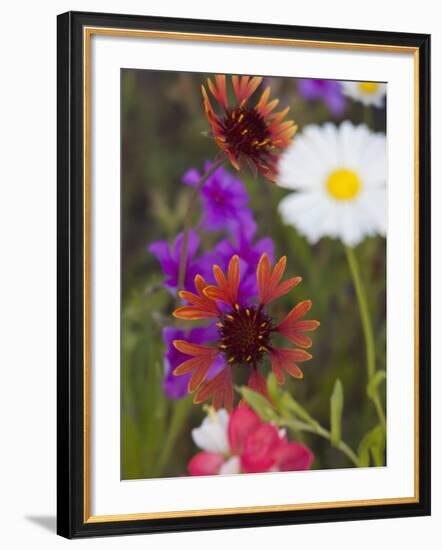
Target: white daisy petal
x,y
351,233
374,161
340,175
375,205
301,210
298,169
323,140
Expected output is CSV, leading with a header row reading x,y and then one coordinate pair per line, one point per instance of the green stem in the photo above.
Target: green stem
x,y
368,116
367,329
188,219
322,432
179,416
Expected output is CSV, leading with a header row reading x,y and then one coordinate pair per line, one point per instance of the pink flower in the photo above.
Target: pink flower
x,y
243,443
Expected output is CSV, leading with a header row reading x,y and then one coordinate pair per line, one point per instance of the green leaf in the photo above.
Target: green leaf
x,y
372,444
336,406
291,409
259,404
130,448
274,390
179,414
379,377
287,405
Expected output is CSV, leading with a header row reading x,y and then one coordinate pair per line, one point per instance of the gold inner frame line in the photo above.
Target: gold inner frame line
x,y
134,33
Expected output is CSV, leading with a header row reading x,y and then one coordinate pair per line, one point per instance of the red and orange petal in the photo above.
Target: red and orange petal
x,y
264,106
219,389
284,361
227,289
282,133
201,306
202,359
244,87
219,90
269,286
293,328
258,383
267,167
214,121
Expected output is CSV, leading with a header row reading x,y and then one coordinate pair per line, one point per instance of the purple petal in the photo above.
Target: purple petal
x,y
224,198
224,247
265,245
192,246
310,88
244,228
170,262
248,289
191,177
327,90
161,250
175,387
170,334
249,254
336,103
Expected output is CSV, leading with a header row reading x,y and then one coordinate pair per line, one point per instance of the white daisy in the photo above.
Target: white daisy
x,y
339,174
368,93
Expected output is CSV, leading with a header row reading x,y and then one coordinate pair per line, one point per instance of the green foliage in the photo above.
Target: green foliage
x,y
259,404
288,412
372,446
336,407
377,379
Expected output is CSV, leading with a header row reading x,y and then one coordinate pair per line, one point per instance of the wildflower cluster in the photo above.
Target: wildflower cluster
x,y
225,329
242,443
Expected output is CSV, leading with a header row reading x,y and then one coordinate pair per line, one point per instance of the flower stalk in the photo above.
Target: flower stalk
x,y
180,413
188,218
368,117
367,329
317,429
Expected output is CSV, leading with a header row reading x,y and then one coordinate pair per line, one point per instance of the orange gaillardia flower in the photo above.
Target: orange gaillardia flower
x,y
245,332
254,134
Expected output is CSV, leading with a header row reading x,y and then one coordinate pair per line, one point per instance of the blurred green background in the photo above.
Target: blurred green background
x,y
163,125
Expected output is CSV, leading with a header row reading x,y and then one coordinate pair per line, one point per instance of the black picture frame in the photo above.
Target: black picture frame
x,y
72,521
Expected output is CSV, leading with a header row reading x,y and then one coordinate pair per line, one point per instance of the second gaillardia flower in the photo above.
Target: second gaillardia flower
x,y
246,332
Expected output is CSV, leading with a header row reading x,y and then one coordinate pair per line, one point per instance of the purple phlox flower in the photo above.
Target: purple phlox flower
x,y
175,387
169,258
243,244
224,199
330,91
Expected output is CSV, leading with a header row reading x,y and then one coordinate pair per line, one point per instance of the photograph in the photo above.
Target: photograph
x,y
253,274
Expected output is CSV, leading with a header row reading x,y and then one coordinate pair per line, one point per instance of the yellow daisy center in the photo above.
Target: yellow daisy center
x,y
343,184
368,87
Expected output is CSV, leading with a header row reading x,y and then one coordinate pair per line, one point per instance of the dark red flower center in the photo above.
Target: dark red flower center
x,y
245,335
246,131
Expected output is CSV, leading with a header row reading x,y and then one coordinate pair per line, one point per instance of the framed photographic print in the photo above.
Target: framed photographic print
x,y
243,274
